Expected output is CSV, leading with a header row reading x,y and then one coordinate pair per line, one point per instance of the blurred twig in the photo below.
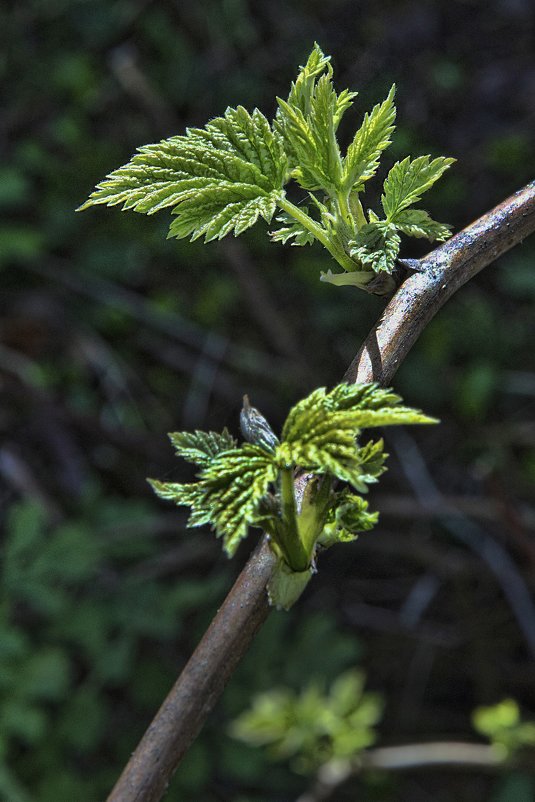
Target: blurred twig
x,y
177,723
244,359
367,616
174,560
17,473
134,442
396,758
126,67
263,307
178,358
203,381
484,508
471,534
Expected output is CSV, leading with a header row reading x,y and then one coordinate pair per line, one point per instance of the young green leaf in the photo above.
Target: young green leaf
x,y
201,447
302,89
363,401
217,179
192,495
502,724
315,727
417,223
234,483
360,396
347,518
408,180
320,431
376,246
364,152
292,229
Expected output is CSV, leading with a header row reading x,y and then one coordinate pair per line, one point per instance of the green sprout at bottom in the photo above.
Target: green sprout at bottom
x,y
253,483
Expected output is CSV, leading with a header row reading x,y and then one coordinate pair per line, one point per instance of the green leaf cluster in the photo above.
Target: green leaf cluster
x,y
313,726
377,242
503,726
253,484
221,178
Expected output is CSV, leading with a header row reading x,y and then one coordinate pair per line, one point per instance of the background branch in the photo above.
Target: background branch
x,y
181,716
398,758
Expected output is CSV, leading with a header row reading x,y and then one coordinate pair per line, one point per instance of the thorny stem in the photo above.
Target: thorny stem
x,y
182,714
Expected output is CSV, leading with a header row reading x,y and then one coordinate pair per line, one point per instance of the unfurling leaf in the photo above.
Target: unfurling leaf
x,y
216,179
346,519
313,139
292,229
373,136
308,121
408,180
417,223
302,88
376,246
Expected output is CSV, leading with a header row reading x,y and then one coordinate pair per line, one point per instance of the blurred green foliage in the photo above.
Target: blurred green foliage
x,y
84,651
72,634
515,787
512,737
502,725
314,726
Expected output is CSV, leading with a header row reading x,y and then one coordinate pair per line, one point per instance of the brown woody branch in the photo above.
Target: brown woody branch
x,y
182,714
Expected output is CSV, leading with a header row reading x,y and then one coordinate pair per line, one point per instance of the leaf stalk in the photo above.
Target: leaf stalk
x,y
320,234
289,541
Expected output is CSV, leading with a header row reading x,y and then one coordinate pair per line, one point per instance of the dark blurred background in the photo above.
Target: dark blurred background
x,y
111,336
